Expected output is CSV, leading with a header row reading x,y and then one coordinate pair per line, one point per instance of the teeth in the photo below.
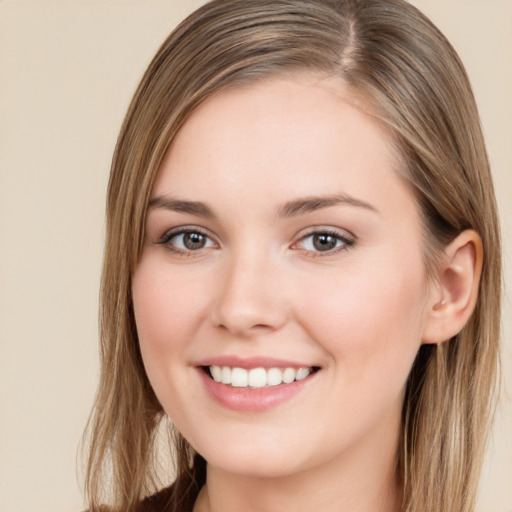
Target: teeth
x,y
226,375
274,377
216,372
239,377
257,377
289,375
302,373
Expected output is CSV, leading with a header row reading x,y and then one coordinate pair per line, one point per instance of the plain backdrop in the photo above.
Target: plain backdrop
x,y
68,69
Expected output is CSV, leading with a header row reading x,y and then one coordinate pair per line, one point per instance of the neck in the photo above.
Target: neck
x,y
354,483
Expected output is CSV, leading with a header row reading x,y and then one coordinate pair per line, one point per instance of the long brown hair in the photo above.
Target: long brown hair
x,y
392,55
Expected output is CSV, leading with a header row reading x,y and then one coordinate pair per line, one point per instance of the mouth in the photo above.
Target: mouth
x,y
257,378
255,384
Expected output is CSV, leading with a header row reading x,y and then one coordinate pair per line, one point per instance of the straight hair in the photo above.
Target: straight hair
x,y
390,54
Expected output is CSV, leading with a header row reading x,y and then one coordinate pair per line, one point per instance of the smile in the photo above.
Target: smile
x,y
257,378
255,384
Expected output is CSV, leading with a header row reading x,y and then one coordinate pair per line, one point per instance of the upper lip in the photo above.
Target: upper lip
x,y
252,362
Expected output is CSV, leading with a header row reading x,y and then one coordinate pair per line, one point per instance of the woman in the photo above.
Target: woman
x,y
302,268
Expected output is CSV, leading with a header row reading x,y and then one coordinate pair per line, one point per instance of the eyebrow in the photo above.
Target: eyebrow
x,y
313,203
289,209
182,206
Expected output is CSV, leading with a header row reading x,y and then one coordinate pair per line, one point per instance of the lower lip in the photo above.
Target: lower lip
x,y
252,400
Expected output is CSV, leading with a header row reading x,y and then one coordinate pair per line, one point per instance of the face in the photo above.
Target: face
x,y
281,294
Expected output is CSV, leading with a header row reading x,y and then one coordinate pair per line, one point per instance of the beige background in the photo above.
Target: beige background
x,y
68,69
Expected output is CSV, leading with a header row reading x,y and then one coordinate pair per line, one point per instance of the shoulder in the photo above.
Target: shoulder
x,y
159,502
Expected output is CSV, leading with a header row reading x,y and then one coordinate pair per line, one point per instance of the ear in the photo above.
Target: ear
x,y
454,298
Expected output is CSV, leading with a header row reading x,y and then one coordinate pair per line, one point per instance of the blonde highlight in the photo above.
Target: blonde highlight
x,y
389,53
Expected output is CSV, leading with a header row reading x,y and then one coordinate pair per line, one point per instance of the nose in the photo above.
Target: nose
x,y
252,297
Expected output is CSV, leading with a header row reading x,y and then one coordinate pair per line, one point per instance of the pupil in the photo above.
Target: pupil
x,y
324,242
194,241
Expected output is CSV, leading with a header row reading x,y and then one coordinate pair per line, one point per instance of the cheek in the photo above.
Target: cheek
x,y
168,308
369,318
166,305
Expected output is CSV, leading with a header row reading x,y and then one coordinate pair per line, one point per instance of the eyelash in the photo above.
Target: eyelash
x,y
166,238
346,242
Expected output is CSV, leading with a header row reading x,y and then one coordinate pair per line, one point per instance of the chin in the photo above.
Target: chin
x,y
257,469
257,460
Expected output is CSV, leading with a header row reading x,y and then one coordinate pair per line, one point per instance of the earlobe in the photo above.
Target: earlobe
x,y
454,299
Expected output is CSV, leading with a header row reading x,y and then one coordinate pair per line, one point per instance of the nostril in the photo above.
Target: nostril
x,y
262,326
243,327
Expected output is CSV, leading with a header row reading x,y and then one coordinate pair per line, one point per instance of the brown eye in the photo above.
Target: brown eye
x,y
194,241
186,241
324,241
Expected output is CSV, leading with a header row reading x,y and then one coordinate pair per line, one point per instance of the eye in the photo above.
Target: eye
x,y
186,240
324,241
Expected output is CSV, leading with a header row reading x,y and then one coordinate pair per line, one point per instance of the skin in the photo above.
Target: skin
x,y
259,287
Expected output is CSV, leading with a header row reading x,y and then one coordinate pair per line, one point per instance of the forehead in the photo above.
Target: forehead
x,y
279,138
